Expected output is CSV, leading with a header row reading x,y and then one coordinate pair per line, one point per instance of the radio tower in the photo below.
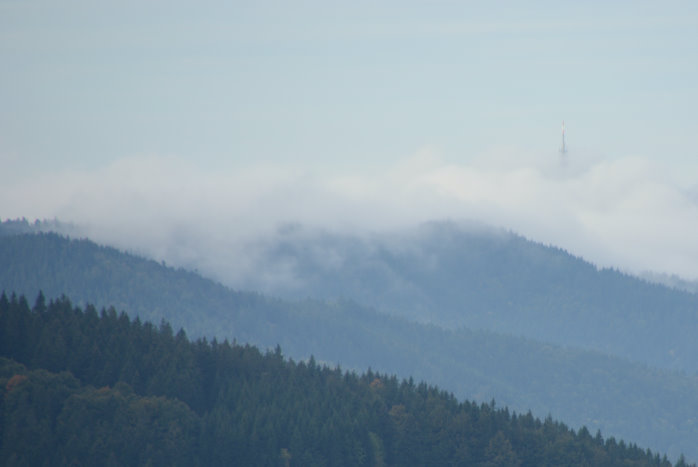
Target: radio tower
x,y
563,149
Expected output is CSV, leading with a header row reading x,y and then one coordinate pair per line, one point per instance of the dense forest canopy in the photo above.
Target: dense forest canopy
x,y
652,407
86,388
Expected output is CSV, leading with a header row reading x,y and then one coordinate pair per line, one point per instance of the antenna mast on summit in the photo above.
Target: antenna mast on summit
x,y
563,148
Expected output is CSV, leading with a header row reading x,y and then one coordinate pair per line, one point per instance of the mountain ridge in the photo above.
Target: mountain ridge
x,y
452,276
581,387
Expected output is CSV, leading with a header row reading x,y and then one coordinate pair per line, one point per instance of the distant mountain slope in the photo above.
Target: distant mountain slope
x,y
459,275
91,273
672,281
163,400
654,408
467,275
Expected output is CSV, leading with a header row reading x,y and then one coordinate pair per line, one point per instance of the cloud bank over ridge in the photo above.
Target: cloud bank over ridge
x,y
628,213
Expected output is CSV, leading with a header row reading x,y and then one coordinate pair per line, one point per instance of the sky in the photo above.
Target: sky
x,y
173,127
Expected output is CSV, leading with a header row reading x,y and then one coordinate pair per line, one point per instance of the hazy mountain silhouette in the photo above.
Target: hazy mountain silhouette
x,y
656,408
457,275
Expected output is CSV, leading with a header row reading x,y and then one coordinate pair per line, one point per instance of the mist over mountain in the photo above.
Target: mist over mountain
x,y
468,274
455,274
630,213
503,201
671,280
653,407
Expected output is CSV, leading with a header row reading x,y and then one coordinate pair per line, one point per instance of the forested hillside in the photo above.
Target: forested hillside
x,y
88,388
654,408
447,274
467,275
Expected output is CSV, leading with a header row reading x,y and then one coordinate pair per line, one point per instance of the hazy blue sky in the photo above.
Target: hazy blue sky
x,y
387,103
344,84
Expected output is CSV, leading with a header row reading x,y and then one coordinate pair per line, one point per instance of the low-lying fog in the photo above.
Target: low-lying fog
x,y
628,213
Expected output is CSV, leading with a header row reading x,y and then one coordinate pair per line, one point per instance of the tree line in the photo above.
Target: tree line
x,y
84,387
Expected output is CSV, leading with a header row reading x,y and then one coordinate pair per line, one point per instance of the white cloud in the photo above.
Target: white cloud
x,y
628,213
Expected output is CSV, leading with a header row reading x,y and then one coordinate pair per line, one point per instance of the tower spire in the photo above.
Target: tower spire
x,y
563,149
